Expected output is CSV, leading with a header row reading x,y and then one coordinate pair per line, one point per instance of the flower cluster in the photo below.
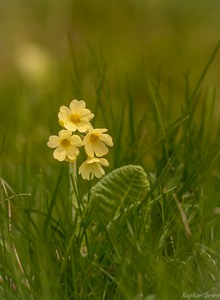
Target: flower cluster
x,y
78,132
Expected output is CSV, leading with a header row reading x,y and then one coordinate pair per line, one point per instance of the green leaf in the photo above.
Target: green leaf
x,y
117,191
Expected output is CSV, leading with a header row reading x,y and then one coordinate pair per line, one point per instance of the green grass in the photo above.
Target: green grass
x,y
127,244
169,246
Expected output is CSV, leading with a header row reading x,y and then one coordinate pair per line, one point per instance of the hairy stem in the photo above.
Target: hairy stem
x,y
73,188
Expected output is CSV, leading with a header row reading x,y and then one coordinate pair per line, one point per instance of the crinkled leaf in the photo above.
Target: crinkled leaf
x,y
118,190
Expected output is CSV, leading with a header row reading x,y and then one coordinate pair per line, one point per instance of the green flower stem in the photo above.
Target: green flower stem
x,y
73,188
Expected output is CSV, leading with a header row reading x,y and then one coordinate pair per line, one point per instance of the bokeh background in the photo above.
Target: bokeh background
x,y
52,51
170,35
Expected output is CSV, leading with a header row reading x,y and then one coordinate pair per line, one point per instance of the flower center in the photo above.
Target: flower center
x,y
94,137
75,119
65,143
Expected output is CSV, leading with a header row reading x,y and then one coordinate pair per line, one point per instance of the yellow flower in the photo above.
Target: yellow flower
x,y
95,142
76,117
93,167
66,145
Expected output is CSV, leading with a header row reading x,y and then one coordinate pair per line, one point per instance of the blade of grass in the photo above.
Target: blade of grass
x,y
204,72
54,198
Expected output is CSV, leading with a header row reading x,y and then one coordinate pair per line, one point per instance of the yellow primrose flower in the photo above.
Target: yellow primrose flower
x,y
95,142
66,145
76,117
93,167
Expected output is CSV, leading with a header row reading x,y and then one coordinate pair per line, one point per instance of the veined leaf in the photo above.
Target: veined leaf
x,y
119,190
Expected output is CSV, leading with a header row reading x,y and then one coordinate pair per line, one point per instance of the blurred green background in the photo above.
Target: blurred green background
x,y
137,65
168,34
53,51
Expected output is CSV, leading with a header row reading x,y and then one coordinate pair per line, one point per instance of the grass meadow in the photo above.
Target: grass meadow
x,y
150,228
